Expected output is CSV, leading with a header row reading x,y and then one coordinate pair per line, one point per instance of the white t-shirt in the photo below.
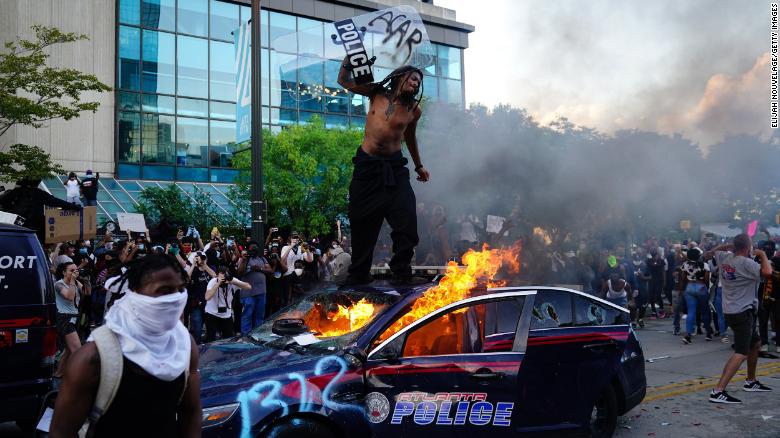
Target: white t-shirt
x,y
291,258
72,188
222,298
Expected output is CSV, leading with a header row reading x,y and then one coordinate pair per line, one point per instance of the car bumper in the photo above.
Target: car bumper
x,y
21,401
634,399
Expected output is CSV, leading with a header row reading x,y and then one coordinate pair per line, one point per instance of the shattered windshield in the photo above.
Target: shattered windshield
x,y
323,320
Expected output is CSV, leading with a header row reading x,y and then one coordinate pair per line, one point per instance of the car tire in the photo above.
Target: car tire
x,y
603,420
298,427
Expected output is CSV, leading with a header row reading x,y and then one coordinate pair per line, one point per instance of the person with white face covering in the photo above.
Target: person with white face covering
x,y
159,387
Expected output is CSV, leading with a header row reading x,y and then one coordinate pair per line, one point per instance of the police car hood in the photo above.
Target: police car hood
x,y
231,366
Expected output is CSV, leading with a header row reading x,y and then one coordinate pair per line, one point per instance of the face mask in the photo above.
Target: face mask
x,y
110,246
156,316
335,246
299,272
277,274
83,251
87,243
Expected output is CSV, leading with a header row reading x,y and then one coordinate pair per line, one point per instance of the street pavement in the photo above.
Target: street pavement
x,y
679,379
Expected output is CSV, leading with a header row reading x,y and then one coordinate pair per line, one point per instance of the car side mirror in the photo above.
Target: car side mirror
x,y
355,357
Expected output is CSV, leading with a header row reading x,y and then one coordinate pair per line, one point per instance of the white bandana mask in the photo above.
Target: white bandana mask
x,y
151,334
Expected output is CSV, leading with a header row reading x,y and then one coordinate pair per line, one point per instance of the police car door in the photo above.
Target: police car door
x,y
453,372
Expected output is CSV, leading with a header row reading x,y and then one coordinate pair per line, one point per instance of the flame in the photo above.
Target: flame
x,y
543,234
480,268
339,320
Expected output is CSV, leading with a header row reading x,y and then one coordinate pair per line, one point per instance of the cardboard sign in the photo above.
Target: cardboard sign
x,y
494,223
356,53
131,222
65,225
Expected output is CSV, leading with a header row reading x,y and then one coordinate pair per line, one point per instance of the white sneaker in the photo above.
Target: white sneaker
x,y
765,348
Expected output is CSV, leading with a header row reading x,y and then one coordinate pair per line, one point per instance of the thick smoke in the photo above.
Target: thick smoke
x,y
575,181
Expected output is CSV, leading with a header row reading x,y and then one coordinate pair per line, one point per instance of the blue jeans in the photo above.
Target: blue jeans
x,y
697,299
196,323
252,312
718,303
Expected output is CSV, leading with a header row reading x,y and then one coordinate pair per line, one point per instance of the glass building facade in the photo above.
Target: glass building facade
x,y
175,85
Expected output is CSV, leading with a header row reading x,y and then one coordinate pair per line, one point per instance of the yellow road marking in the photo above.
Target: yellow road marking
x,y
699,384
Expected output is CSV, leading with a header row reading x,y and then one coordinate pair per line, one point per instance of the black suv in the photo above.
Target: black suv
x,y
28,337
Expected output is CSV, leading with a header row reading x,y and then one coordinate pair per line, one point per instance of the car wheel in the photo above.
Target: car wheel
x,y
603,418
298,427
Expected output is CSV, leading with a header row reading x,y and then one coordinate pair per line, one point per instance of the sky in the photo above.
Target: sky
x,y
697,68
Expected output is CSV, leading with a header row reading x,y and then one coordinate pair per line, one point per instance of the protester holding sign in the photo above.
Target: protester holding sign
x,y
380,186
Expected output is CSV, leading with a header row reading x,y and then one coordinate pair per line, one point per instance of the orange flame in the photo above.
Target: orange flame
x,y
480,268
339,320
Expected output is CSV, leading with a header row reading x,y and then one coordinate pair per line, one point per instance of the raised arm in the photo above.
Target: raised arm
x,y
347,81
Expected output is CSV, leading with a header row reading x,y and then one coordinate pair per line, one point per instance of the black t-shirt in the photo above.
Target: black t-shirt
x,y
198,282
89,187
656,268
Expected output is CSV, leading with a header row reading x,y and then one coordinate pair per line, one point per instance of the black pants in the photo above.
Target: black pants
x,y
216,324
767,310
380,190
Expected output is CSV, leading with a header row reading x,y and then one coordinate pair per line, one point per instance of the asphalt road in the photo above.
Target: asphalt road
x,y
677,402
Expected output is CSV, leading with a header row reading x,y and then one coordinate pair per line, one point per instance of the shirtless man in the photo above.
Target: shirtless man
x,y
380,187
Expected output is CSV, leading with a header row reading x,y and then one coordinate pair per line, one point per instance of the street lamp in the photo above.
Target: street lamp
x,y
258,206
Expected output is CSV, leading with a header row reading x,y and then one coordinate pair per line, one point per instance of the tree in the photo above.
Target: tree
x,y
306,170
33,93
180,208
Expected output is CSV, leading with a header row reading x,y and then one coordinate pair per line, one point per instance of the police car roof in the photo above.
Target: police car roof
x,y
15,228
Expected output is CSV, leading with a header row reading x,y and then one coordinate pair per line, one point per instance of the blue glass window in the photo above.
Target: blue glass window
x,y
246,14
310,84
283,80
165,173
128,101
194,17
221,110
129,11
223,71
283,25
158,138
336,98
193,68
159,63
159,14
451,91
288,117
224,175
192,141
358,104
129,137
449,62
192,107
129,57
333,122
429,88
358,122
223,143
265,62
158,104
224,20
310,37
129,171
192,174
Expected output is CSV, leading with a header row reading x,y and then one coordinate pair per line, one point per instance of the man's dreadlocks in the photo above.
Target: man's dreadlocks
x,y
395,81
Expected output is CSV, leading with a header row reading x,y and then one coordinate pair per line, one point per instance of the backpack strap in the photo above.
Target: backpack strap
x,y
186,374
111,367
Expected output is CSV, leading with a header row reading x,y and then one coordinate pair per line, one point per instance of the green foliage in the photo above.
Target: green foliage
x,y
306,174
190,208
32,93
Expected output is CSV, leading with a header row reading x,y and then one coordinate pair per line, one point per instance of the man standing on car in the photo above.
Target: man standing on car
x,y
380,188
740,276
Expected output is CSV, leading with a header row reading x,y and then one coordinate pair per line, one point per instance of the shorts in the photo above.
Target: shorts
x,y
66,324
744,326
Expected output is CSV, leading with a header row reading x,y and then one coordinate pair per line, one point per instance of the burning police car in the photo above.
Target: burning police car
x,y
399,362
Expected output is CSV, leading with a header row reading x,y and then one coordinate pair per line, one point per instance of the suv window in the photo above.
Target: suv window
x,y
590,313
22,273
552,309
485,327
